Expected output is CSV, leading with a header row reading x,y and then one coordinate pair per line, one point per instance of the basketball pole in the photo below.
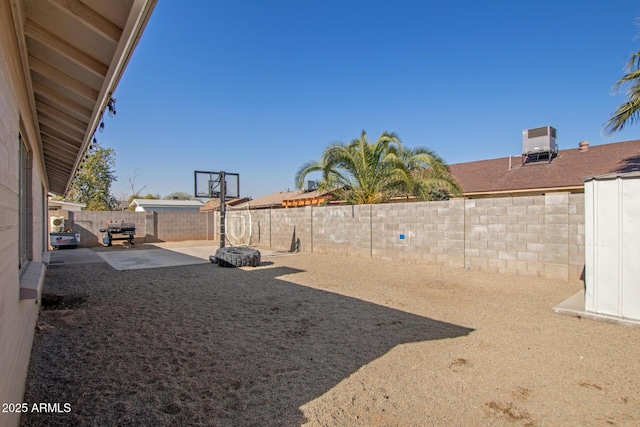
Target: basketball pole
x,y
218,177
223,208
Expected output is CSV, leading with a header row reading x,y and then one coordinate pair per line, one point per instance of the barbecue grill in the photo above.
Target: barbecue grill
x,y
126,231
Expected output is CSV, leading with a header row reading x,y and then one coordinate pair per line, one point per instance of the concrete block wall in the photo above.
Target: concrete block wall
x,y
342,230
431,232
576,238
178,226
89,223
540,236
261,227
501,234
360,233
530,235
291,227
150,226
555,237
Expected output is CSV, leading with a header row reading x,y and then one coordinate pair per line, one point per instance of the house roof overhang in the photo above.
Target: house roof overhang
x,y
73,56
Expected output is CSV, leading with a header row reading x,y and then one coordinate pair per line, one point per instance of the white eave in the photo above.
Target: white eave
x,y
65,204
73,54
614,175
156,203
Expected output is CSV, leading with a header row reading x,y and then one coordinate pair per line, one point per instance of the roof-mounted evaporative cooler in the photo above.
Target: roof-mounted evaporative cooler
x,y
310,186
539,143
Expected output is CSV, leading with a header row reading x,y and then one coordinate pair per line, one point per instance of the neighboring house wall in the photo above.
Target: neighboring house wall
x,y
19,289
529,235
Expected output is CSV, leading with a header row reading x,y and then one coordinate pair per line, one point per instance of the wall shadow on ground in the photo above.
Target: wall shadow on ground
x,y
87,237
204,345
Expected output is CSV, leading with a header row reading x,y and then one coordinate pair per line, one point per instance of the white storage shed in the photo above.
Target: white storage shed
x,y
612,245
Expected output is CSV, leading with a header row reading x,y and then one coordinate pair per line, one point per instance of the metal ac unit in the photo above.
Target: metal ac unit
x,y
539,140
56,224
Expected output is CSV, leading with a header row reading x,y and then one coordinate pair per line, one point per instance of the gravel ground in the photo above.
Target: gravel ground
x,y
324,341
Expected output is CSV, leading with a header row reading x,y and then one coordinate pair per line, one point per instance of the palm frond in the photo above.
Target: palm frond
x,y
628,112
305,170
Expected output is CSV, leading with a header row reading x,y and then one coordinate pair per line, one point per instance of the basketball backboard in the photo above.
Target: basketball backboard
x,y
207,185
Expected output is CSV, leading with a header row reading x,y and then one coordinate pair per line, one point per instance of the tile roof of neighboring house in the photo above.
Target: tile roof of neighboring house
x,y
288,198
272,200
214,204
567,171
304,195
306,198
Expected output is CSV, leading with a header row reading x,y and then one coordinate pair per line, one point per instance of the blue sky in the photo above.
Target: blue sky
x,y
261,87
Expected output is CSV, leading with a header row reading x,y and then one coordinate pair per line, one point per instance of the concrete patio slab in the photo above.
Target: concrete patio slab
x,y
149,258
122,257
166,257
574,306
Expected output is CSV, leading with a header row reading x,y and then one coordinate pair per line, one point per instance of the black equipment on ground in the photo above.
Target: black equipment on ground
x,y
126,230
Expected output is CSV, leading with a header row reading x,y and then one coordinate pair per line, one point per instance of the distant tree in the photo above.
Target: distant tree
x,y
364,172
92,183
628,112
125,199
178,195
135,193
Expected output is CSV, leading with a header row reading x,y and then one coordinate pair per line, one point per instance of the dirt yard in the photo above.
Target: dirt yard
x,y
324,341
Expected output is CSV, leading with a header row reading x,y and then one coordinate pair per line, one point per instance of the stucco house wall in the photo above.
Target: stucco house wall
x,y
19,287
49,108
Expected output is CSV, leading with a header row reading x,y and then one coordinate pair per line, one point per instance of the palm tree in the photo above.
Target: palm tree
x,y
362,172
629,112
432,179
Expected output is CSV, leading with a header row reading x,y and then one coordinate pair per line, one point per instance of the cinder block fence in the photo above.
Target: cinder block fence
x,y
535,235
